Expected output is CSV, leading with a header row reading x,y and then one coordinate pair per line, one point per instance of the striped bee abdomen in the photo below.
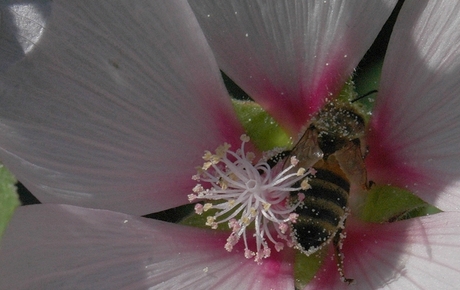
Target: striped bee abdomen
x,y
323,211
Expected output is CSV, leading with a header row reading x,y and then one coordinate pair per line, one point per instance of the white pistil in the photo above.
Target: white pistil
x,y
247,194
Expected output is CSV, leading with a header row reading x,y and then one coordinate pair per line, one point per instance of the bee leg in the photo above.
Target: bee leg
x,y
339,256
370,184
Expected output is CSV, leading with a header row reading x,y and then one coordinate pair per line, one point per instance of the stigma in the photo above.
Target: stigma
x,y
251,198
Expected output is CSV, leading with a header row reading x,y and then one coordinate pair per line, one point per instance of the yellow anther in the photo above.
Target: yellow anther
x,y
207,206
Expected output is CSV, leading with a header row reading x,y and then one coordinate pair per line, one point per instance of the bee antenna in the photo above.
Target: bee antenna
x,y
363,96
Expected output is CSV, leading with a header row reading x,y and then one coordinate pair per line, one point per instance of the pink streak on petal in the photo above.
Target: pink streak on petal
x,y
290,55
225,120
294,115
385,163
420,253
275,267
372,257
417,120
117,122
388,162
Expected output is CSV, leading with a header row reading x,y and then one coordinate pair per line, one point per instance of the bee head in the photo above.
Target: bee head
x,y
337,124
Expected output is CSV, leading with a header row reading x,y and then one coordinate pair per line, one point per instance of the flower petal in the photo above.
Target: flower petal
x,y
421,253
416,124
68,247
21,26
114,106
290,55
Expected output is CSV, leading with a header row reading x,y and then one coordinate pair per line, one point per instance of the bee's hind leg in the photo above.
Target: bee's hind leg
x,y
337,241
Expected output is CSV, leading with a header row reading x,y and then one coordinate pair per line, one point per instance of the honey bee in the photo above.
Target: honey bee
x,y
333,144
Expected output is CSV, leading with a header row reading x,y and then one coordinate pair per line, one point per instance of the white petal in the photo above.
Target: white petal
x,y
421,253
114,106
290,55
21,26
417,120
67,247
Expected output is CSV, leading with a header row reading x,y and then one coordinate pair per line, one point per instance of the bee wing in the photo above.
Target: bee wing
x,y
307,150
351,161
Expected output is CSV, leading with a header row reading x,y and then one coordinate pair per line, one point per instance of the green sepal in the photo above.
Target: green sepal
x,y
363,106
9,198
348,92
306,267
199,220
264,131
368,80
385,203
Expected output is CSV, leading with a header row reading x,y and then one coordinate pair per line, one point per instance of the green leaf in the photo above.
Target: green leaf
x,y
386,203
199,220
305,267
369,78
363,106
9,199
264,131
348,92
